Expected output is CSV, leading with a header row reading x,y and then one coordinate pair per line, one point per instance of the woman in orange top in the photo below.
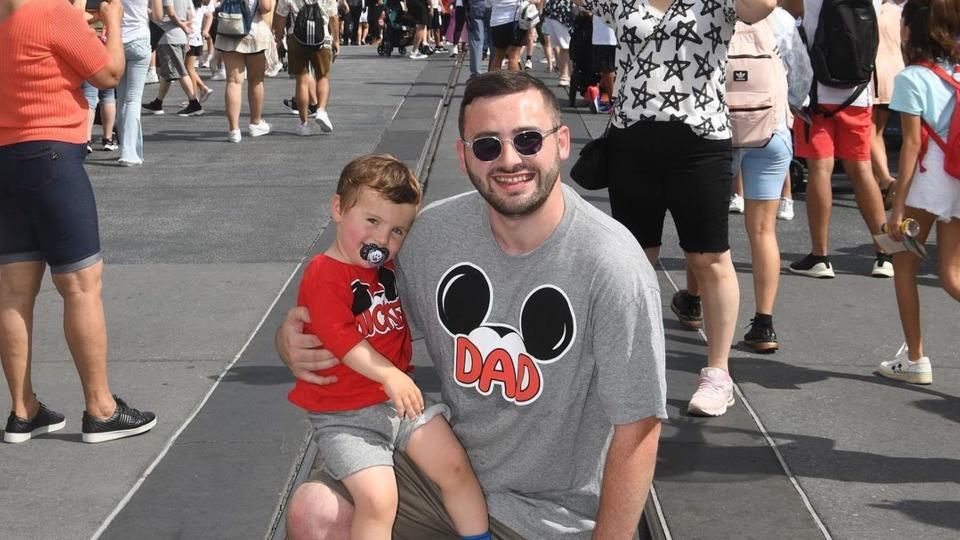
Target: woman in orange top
x,y
48,214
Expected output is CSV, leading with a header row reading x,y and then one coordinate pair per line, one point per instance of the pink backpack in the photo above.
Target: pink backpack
x,y
950,147
756,85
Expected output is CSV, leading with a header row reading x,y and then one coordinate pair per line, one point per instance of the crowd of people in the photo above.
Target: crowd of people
x,y
698,92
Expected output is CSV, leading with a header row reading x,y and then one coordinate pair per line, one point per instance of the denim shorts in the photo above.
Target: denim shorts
x,y
764,169
47,208
94,95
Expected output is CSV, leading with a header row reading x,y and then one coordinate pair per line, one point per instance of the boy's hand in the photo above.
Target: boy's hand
x,y
406,397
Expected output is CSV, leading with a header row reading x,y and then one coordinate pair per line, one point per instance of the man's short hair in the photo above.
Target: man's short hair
x,y
505,83
383,173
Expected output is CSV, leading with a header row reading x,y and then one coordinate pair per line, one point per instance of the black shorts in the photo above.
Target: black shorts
x,y
660,166
604,58
435,20
155,34
507,35
195,50
419,12
47,208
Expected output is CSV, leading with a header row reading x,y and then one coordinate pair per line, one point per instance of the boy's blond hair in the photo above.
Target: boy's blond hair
x,y
383,173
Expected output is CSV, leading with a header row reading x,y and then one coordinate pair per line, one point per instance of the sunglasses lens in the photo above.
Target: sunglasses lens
x,y
486,148
528,143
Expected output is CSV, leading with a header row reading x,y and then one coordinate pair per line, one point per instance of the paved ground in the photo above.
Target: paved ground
x,y
200,247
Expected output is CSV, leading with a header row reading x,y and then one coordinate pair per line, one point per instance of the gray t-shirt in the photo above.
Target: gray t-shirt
x,y
538,355
173,34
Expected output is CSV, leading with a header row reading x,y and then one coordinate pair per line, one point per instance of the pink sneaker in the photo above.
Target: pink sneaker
x,y
714,393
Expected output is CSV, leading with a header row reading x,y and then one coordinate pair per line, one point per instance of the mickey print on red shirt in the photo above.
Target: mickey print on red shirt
x,y
493,355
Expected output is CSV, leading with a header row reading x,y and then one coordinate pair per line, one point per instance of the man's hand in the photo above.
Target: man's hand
x,y
111,13
302,353
403,392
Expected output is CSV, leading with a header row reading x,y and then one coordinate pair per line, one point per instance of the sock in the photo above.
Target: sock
x,y
484,536
195,101
760,318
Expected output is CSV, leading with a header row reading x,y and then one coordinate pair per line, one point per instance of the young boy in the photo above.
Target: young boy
x,y
374,407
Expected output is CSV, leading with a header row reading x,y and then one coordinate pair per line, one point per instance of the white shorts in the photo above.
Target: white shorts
x,y
934,190
559,33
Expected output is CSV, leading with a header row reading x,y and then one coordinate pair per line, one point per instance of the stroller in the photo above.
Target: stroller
x,y
398,30
582,74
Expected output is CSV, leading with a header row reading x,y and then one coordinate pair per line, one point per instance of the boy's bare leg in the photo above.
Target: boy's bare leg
x,y
375,499
304,82
435,449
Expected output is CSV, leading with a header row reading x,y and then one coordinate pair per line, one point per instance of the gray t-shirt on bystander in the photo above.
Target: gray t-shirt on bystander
x,y
538,355
173,34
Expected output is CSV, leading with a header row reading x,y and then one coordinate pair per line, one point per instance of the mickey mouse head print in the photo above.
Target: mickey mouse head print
x,y
490,354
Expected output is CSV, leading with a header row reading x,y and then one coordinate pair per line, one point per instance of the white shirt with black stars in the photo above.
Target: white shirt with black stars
x,y
680,75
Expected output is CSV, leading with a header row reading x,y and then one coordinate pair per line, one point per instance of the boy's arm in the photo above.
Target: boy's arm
x,y
627,475
401,389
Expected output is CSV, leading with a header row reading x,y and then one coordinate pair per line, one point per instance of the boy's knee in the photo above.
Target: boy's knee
x,y
379,503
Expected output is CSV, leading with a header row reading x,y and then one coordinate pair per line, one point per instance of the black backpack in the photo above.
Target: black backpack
x,y
310,26
844,48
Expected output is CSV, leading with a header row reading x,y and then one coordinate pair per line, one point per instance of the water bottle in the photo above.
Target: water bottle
x,y
908,227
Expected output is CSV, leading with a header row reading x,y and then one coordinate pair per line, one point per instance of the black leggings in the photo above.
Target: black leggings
x,y
461,14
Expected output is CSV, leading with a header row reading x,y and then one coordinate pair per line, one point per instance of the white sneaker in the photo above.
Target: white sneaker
x,y
785,212
455,51
882,266
918,372
736,204
416,55
323,119
220,75
259,130
304,129
234,135
152,77
528,64
714,393
274,71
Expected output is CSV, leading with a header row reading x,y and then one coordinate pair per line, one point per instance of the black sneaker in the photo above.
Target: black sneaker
x,y
192,109
761,337
291,104
109,145
20,429
154,107
687,308
125,422
817,266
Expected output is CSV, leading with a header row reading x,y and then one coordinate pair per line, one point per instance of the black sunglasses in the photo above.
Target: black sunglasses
x,y
526,143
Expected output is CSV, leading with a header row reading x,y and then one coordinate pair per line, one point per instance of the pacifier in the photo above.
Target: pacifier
x,y
374,254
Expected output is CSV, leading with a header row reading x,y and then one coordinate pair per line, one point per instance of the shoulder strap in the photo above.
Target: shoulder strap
x,y
939,71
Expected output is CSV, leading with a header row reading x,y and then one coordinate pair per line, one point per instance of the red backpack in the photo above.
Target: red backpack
x,y
950,147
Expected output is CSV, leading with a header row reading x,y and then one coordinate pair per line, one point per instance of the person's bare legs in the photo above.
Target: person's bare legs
x,y
316,512
948,243
720,298
195,78
302,95
878,148
819,204
760,218
867,193
322,90
435,449
256,65
513,58
108,118
19,286
375,498
787,191
234,64
906,265
496,59
85,327
563,63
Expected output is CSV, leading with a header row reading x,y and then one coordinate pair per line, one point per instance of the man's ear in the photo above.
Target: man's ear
x,y
461,155
563,142
336,210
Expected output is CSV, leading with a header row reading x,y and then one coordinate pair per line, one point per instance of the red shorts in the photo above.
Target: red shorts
x,y
845,135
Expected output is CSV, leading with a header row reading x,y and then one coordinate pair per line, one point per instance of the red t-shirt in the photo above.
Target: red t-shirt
x,y
46,51
348,304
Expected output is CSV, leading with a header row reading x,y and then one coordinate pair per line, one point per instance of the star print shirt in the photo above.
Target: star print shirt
x,y
678,75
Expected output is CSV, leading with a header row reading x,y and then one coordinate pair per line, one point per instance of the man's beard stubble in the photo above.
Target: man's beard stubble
x,y
508,206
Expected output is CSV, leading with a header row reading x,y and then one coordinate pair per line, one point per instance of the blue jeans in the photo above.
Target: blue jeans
x,y
475,33
129,99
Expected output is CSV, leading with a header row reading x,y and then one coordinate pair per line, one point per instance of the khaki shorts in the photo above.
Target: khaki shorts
x,y
301,58
421,514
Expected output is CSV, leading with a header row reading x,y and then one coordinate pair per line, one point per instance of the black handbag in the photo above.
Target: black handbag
x,y
592,169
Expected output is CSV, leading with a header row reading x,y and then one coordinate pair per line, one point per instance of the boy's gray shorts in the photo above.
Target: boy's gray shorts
x,y
351,441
